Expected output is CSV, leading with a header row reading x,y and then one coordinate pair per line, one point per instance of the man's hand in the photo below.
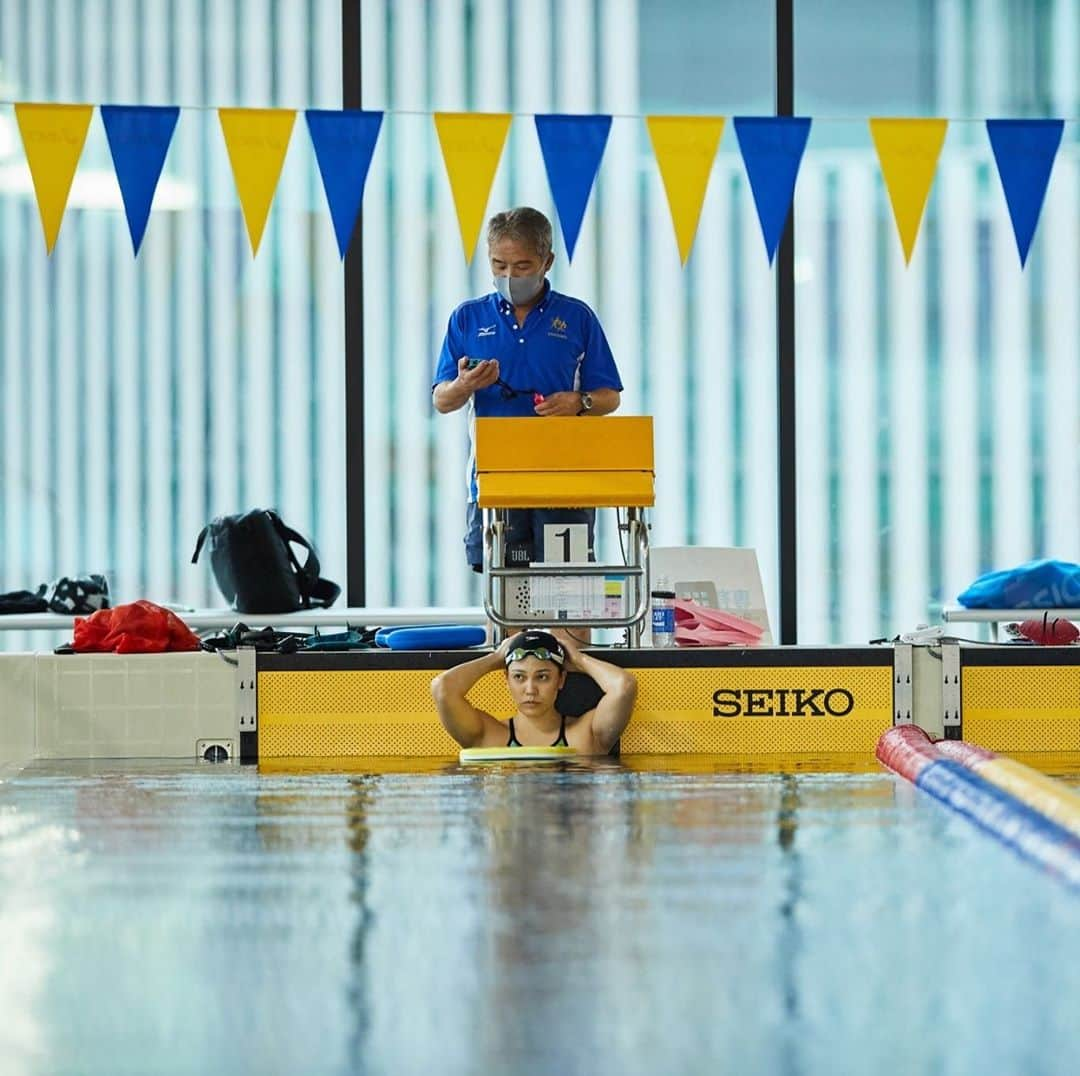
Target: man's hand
x,y
559,403
472,374
478,375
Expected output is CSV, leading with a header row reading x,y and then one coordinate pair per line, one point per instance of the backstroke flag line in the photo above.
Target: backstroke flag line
x,y
256,140
472,145
344,142
139,138
53,137
572,147
685,148
772,149
908,152
1024,151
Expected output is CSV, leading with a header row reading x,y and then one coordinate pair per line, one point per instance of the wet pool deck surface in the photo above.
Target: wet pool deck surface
x,y
650,916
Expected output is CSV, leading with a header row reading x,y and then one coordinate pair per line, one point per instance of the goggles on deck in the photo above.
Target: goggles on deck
x,y
542,652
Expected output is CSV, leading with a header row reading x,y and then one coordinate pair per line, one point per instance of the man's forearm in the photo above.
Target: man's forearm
x,y
604,401
449,396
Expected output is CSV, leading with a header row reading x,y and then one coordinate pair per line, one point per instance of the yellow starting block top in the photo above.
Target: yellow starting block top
x,y
515,754
565,462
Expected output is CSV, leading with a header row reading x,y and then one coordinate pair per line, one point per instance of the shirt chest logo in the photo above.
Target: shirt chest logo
x,y
485,330
558,328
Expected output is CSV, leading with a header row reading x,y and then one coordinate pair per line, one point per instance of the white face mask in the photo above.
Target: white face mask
x,y
519,290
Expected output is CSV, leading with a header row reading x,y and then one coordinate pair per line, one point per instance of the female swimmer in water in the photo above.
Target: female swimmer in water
x,y
536,664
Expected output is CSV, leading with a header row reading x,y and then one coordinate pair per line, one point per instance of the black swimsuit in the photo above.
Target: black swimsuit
x,y
560,742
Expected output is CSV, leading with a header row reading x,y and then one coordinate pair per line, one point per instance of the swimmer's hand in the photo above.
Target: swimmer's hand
x,y
476,374
570,645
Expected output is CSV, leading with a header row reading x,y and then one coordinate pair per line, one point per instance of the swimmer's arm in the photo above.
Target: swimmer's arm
x,y
612,713
459,717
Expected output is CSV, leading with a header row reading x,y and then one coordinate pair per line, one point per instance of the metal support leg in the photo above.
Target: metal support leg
x,y
494,523
637,535
247,704
950,692
902,689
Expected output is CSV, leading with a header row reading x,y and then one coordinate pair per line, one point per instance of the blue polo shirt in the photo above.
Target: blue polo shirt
x,y
560,348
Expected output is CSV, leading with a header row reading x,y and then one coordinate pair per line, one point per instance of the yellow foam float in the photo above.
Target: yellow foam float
x,y
515,754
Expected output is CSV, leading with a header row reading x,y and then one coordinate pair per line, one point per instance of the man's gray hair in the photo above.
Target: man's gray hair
x,y
523,225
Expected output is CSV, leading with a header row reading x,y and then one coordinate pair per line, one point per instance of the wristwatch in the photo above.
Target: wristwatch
x,y
586,403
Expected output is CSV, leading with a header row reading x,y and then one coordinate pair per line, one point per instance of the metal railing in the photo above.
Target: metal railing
x,y
635,573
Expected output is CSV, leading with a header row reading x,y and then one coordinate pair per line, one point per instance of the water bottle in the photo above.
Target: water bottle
x,y
663,614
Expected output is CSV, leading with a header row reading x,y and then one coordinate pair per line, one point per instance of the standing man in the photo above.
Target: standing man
x,y
524,349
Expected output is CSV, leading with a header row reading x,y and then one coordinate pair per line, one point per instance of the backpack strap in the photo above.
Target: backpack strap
x,y
313,590
199,544
324,592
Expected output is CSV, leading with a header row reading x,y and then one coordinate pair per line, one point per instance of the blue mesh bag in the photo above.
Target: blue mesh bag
x,y
1038,584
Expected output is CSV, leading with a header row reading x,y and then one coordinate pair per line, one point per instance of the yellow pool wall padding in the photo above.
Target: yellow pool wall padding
x,y
359,712
1016,708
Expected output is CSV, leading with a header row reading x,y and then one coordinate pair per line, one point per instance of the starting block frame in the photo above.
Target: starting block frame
x,y
566,463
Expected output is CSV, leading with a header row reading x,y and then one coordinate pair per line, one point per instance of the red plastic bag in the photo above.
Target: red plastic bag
x,y
139,627
1048,632
698,625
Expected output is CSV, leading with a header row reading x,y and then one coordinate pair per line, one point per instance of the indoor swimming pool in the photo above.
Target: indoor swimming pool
x,y
663,916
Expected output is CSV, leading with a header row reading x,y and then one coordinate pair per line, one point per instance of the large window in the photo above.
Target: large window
x,y
939,402
695,345
141,396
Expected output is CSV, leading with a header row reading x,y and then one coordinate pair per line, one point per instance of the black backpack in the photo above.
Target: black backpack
x,y
255,566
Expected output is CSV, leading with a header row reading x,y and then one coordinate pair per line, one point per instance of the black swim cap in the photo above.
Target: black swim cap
x,y
538,644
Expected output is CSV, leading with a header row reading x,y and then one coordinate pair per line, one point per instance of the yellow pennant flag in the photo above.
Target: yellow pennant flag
x,y
472,144
53,137
256,139
685,148
908,151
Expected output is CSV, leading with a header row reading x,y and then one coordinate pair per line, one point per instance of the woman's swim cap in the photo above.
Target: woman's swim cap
x,y
537,644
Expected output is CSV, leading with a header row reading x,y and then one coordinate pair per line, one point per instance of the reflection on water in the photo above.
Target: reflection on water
x,y
665,915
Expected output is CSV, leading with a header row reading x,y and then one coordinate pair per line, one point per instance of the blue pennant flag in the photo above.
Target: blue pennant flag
x,y
139,137
772,149
344,142
1025,152
572,147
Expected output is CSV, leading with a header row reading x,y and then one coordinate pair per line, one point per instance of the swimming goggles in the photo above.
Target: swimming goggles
x,y
519,653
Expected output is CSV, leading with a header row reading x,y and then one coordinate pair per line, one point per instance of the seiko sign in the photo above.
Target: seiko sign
x,y
782,702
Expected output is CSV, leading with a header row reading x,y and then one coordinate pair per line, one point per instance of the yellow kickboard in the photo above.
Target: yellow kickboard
x,y
515,754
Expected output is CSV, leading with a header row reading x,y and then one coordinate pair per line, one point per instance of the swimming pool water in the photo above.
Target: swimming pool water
x,y
658,917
